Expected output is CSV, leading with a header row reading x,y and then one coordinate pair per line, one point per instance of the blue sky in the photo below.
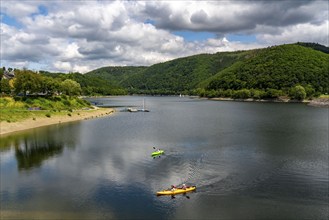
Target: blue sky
x,y
70,36
11,21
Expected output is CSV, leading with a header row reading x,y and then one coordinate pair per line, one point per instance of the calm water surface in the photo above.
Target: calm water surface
x,y
248,161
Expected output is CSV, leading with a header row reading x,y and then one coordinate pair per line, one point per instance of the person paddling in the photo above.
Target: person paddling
x,y
158,150
173,187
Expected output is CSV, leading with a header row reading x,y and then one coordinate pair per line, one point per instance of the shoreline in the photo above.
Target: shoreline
x,y
318,102
78,115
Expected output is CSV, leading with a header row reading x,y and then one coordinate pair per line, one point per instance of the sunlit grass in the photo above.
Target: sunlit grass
x,y
13,111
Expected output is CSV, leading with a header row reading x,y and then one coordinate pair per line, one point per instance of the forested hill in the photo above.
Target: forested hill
x,y
315,46
171,77
279,68
260,73
116,74
181,75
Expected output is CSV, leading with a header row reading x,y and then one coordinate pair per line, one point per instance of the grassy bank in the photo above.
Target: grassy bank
x,y
18,109
22,114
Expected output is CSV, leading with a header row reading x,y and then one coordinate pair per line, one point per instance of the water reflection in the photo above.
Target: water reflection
x,y
32,153
35,146
249,158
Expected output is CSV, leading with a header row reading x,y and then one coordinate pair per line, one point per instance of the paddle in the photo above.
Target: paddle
x,y
154,149
186,196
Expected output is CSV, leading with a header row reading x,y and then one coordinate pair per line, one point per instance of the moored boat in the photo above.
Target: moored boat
x,y
132,110
143,109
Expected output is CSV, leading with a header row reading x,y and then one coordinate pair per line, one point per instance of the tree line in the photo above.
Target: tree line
x,y
27,82
297,71
288,70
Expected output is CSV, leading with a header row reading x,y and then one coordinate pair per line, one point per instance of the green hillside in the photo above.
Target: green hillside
x,y
116,74
181,75
283,70
279,68
315,46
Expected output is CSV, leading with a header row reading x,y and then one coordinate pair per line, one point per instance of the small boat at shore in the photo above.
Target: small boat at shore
x,y
143,109
132,110
176,191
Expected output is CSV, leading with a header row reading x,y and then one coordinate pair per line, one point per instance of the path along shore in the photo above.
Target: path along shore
x,y
10,127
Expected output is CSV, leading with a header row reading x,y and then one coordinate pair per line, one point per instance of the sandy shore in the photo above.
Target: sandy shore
x,y
6,128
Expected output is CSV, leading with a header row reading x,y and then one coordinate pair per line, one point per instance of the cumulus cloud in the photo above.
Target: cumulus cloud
x,y
199,17
301,32
233,16
65,36
19,8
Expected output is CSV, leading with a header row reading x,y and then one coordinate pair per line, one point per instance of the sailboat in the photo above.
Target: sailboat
x,y
143,109
132,110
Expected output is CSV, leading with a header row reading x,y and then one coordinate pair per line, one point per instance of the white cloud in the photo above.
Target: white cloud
x,y
301,32
19,8
63,66
71,52
91,34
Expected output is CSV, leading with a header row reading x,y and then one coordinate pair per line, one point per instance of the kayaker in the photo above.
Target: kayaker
x,y
173,187
156,149
184,186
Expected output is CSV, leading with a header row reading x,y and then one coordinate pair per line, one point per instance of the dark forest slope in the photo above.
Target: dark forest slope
x,y
278,67
274,70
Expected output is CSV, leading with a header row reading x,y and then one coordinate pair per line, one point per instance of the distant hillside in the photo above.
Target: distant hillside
x,y
116,74
171,77
269,72
279,67
315,46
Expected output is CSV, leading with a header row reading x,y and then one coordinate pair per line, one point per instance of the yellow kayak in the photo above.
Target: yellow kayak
x,y
176,191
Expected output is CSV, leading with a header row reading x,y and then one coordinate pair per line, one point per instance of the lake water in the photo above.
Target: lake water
x,y
248,161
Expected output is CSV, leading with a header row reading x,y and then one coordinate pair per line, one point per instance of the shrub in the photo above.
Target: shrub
x,y
48,115
310,91
241,94
27,100
257,94
228,93
66,102
57,98
273,93
297,92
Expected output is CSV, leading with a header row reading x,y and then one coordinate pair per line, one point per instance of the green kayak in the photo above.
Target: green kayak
x,y
157,153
